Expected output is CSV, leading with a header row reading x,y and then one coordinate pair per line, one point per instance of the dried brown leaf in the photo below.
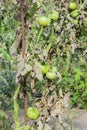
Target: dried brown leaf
x,y
37,70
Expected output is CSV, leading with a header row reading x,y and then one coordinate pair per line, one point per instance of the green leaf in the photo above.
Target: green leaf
x,y
33,10
84,93
81,85
4,80
5,54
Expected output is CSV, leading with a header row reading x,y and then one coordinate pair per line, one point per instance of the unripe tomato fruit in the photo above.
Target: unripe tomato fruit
x,y
72,5
54,69
54,15
33,113
44,21
74,13
45,68
51,75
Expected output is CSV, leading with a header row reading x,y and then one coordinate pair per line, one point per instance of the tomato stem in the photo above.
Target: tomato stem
x,y
43,6
38,38
52,37
40,32
49,47
68,60
16,107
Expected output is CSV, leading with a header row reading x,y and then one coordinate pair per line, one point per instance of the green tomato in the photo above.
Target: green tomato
x,y
54,69
74,13
72,5
44,21
54,15
51,75
33,113
45,68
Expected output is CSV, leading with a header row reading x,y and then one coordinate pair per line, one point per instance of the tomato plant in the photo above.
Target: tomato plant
x,y
54,15
33,113
72,5
44,21
51,75
45,68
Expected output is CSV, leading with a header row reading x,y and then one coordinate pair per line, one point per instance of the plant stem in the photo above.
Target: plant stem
x,y
38,38
16,107
49,47
52,38
68,60
43,6
40,32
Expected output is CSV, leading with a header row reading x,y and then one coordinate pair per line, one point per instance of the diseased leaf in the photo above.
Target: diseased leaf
x,y
37,70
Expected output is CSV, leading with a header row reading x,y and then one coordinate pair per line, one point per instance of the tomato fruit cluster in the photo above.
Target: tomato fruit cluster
x,y
45,21
75,12
33,113
50,72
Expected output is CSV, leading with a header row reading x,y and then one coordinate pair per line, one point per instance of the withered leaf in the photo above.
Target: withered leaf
x,y
37,70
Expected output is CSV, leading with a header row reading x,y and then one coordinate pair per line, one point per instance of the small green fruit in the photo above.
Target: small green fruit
x,y
44,21
45,68
54,15
51,75
72,5
33,113
74,13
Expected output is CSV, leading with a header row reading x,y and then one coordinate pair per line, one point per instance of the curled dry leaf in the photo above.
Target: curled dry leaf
x,y
23,68
59,76
60,93
56,109
38,73
27,69
65,100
